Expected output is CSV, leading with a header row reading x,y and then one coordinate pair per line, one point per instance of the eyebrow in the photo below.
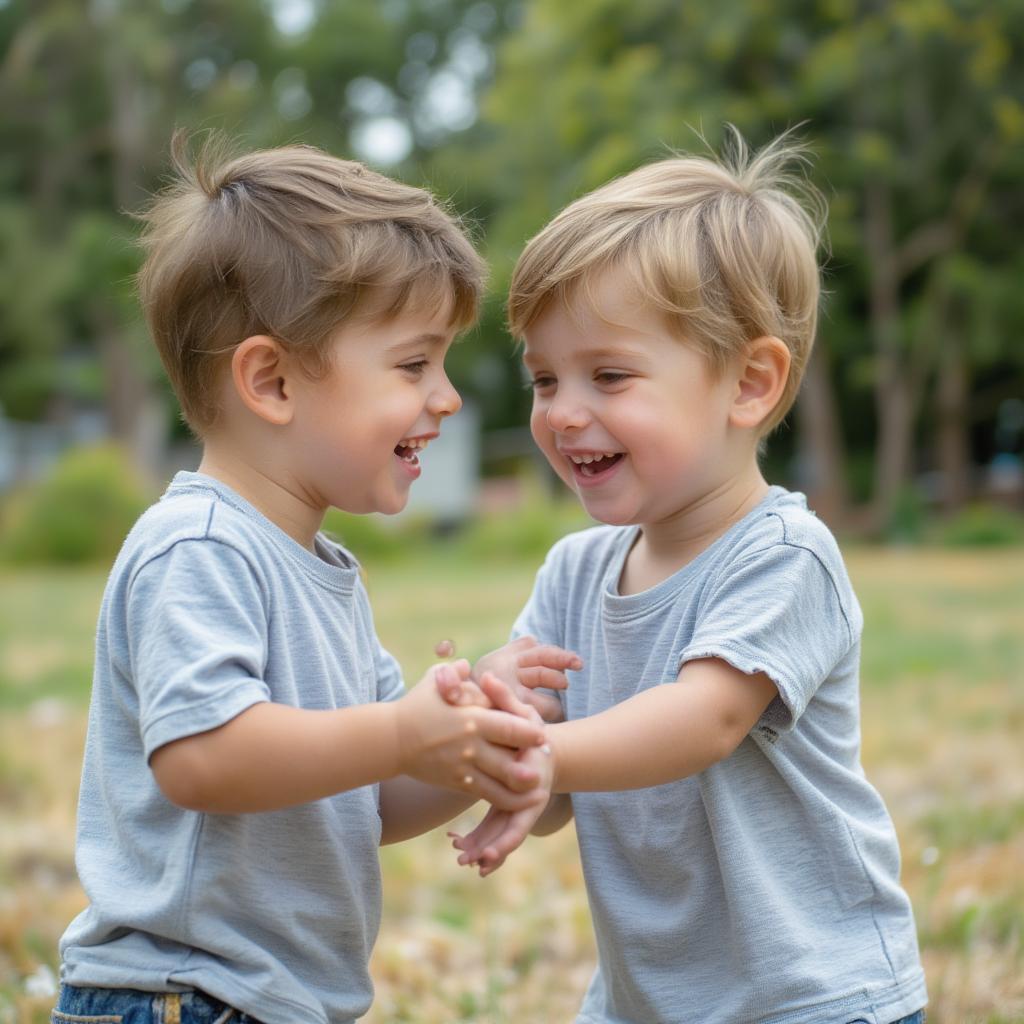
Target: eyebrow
x,y
420,339
611,352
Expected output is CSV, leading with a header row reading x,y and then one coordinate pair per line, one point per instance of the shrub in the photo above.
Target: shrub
x,y
80,512
524,533
984,526
372,538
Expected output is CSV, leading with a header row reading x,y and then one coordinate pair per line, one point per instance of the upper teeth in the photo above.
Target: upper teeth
x,y
584,459
415,443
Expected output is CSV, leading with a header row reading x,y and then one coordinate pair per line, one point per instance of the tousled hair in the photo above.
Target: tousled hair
x,y
724,248
288,242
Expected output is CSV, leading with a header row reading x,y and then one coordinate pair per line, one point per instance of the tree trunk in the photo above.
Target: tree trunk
x,y
893,394
820,443
952,447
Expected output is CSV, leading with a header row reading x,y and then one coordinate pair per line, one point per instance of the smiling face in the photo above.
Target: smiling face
x,y
629,416
357,433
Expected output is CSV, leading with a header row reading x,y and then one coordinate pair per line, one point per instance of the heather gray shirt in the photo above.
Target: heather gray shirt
x,y
210,609
765,888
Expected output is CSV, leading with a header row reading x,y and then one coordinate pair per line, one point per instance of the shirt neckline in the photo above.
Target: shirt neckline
x,y
628,606
331,565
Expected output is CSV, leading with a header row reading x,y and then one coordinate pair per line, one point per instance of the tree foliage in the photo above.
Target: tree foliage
x,y
915,109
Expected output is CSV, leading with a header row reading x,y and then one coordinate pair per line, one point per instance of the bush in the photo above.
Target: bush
x,y
525,533
984,526
371,538
80,512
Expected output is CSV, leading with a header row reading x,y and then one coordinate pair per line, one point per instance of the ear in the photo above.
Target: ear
x,y
259,370
762,374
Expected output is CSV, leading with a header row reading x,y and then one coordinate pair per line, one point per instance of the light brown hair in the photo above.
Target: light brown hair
x,y
288,242
725,248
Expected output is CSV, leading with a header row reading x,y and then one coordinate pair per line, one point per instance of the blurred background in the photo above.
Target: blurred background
x,y
908,436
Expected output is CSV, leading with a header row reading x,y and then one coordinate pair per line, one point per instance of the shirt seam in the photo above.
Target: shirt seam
x,y
218,498
828,572
210,701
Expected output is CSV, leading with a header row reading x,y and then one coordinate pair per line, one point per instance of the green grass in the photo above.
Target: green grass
x,y
943,716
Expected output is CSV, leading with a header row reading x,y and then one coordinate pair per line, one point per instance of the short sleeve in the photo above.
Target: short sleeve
x,y
778,611
540,616
197,640
389,676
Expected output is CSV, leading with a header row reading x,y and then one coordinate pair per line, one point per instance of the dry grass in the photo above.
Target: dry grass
x,y
943,716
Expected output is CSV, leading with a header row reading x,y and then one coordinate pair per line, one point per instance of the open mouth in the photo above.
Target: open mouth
x,y
594,464
408,450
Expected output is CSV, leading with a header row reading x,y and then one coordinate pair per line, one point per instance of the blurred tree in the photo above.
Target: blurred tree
x,y
93,91
914,108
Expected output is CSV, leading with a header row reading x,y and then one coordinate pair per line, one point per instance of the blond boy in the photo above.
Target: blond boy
x,y
250,743
740,868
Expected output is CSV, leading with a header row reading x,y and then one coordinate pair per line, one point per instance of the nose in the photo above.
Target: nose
x,y
565,413
444,399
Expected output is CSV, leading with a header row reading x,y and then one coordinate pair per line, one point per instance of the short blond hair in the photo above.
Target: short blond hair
x,y
725,248
288,242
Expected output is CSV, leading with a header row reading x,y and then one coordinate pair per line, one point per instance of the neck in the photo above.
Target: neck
x,y
665,546
285,506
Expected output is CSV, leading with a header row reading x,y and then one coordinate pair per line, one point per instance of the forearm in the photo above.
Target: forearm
x,y
409,808
658,736
556,815
273,756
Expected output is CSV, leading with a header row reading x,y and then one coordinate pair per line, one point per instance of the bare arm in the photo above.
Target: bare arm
x,y
662,734
273,756
409,808
658,736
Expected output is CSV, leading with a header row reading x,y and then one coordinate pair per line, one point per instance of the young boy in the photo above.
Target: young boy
x,y
740,868
249,743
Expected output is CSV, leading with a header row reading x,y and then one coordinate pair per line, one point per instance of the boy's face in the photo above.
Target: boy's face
x,y
629,416
358,430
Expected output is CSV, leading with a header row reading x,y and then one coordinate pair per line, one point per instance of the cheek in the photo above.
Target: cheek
x,y
539,425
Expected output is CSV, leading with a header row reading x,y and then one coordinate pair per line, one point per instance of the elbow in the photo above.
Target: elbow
x,y
182,778
730,733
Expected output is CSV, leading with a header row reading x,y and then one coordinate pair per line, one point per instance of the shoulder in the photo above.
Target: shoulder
x,y
197,528
787,545
784,521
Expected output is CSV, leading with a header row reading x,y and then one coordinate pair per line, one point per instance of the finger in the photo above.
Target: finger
x,y
507,730
470,695
444,648
510,838
500,763
541,675
548,707
486,832
550,656
495,792
502,697
449,686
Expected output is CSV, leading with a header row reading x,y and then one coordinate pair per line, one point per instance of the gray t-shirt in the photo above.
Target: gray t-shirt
x,y
210,609
765,888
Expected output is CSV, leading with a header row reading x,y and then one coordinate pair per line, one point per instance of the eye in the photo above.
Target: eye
x,y
540,382
416,368
610,376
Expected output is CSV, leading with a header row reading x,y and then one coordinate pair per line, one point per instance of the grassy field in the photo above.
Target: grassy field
x,y
943,696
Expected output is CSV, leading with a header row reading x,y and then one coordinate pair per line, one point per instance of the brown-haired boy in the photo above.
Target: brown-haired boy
x,y
249,743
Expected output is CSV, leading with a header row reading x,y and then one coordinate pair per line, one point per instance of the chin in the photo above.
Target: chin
x,y
394,506
610,517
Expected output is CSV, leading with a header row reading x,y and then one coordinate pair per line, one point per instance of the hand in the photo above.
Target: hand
x,y
524,664
502,831
458,688
469,748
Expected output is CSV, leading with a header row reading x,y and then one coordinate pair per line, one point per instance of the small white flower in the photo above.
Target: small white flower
x,y
42,983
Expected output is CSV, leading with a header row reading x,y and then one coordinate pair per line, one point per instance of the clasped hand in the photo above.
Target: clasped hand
x,y
505,680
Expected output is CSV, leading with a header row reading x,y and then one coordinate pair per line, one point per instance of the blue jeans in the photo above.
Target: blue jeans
x,y
79,1005
914,1018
